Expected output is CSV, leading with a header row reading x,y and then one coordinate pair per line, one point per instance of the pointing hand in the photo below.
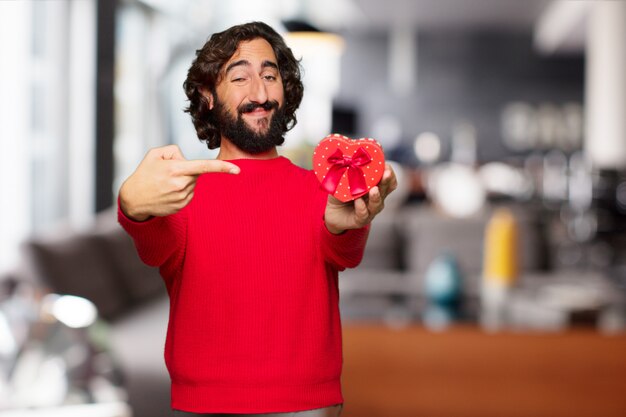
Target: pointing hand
x,y
164,182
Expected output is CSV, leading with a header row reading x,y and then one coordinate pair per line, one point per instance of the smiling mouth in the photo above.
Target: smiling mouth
x,y
258,112
258,116
256,108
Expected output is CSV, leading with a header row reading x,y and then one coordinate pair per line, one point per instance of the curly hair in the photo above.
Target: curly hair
x,y
204,74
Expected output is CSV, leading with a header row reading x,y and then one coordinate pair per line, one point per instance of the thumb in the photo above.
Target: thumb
x,y
203,166
168,152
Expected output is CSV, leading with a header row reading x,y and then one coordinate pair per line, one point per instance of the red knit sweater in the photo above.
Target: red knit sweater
x,y
251,271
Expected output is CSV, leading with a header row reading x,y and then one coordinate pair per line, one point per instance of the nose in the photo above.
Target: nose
x,y
258,91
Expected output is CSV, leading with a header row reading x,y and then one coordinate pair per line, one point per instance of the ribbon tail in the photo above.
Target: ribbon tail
x,y
331,181
357,180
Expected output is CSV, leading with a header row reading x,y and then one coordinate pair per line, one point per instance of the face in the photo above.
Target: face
x,y
249,98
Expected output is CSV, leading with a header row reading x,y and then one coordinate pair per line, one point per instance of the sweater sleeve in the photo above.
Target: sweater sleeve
x,y
346,249
158,240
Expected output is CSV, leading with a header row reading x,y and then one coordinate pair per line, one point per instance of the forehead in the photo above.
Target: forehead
x,y
255,51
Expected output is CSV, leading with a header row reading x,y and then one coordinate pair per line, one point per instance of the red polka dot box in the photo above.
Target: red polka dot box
x,y
348,168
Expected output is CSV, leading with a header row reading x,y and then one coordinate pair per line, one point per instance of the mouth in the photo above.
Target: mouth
x,y
257,109
258,116
258,112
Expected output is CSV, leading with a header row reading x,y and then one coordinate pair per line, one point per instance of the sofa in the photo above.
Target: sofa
x,y
101,264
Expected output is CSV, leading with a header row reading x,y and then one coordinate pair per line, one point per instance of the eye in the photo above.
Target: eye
x,y
238,79
269,77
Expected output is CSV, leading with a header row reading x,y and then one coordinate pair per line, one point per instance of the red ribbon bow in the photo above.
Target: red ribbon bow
x,y
340,163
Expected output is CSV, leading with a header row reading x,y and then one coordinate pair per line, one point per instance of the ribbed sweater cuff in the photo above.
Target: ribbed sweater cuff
x,y
156,238
345,250
148,226
352,236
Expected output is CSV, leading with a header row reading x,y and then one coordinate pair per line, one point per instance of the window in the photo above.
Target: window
x,y
46,118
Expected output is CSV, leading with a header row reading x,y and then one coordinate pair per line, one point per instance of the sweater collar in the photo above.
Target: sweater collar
x,y
261,164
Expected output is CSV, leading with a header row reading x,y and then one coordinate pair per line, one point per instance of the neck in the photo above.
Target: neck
x,y
228,151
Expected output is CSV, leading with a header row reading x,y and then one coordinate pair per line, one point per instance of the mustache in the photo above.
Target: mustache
x,y
248,107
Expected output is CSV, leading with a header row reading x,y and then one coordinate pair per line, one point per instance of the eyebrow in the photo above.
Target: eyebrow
x,y
244,62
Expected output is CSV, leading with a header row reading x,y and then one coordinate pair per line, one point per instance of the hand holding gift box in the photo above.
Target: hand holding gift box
x,y
358,180
348,168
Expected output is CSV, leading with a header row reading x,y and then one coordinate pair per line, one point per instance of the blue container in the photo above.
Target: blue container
x,y
443,281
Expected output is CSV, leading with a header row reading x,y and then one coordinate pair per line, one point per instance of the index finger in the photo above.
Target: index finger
x,y
388,173
203,166
389,181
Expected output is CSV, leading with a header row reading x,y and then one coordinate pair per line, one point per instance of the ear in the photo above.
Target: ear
x,y
208,96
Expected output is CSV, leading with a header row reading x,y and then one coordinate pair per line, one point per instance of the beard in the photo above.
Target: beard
x,y
269,134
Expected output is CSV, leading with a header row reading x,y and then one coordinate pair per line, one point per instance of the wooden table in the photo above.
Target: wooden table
x,y
465,372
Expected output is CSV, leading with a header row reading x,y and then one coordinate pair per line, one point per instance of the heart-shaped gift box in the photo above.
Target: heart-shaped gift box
x,y
348,168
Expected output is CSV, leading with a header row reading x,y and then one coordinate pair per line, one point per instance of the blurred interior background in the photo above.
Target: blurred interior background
x,y
494,282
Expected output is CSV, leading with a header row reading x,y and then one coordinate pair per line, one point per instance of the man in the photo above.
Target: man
x,y
249,245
